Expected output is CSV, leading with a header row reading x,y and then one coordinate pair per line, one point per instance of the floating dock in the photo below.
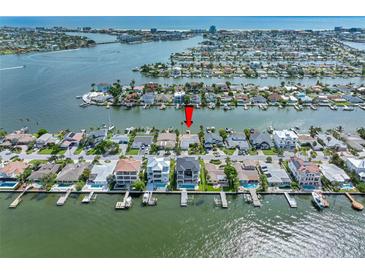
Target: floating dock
x,y
255,200
126,203
355,204
18,199
291,200
224,202
87,199
62,200
184,198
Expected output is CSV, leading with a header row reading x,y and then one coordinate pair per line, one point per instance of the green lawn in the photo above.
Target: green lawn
x,y
45,151
271,151
78,151
252,152
229,151
133,151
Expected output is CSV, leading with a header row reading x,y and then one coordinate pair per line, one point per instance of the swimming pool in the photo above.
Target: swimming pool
x,y
249,185
8,184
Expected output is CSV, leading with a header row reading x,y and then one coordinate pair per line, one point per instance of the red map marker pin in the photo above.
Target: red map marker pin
x,y
188,115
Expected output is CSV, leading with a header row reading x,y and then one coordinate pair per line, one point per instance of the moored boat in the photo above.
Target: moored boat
x,y
319,200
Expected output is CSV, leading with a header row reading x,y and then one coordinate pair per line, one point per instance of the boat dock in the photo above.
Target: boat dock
x,y
355,204
126,203
184,198
255,199
87,199
224,202
151,200
291,200
18,199
62,200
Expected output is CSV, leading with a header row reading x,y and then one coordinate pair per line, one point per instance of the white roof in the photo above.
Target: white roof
x,y
103,170
357,162
158,163
285,134
278,174
333,173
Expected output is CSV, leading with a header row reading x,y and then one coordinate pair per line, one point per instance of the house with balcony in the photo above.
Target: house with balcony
x,y
307,173
285,139
179,97
100,176
126,173
187,171
158,172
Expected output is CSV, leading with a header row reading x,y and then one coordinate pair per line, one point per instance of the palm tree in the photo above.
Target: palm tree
x,y
132,84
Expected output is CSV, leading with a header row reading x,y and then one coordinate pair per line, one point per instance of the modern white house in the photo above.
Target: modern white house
x,y
357,165
335,175
158,171
285,139
275,174
306,173
100,176
126,173
179,97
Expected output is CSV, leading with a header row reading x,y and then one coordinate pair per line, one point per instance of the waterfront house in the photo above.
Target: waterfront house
x,y
357,166
70,174
126,173
247,174
331,142
46,139
285,139
100,176
120,139
258,99
237,140
306,173
44,171
72,139
335,175
274,98
142,141
187,173
163,98
195,99
242,99
353,99
188,139
148,98
97,136
215,175
212,139
304,98
13,170
166,140
210,97
275,174
158,172
354,141
179,97
261,140
102,87
18,138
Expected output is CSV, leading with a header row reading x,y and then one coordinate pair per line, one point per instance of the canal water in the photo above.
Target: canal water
x,y
38,228
43,93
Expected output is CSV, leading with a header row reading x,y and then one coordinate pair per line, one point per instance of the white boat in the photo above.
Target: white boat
x,y
245,107
226,107
162,107
298,107
348,108
333,107
319,200
211,106
313,107
145,198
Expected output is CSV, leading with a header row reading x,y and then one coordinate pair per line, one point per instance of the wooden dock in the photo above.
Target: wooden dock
x,y
292,202
184,198
18,199
62,200
87,199
355,204
224,202
255,200
126,203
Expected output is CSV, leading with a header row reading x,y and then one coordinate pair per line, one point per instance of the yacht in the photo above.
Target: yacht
x,y
145,198
245,107
226,107
319,200
313,107
348,108
333,107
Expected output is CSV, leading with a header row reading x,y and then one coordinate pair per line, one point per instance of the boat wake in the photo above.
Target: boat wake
x,y
11,68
